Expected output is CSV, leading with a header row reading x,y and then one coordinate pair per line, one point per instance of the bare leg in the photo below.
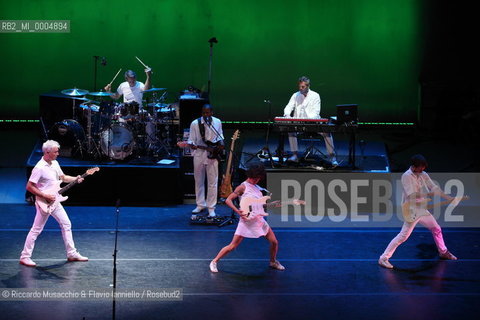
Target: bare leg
x,y
229,248
274,263
270,236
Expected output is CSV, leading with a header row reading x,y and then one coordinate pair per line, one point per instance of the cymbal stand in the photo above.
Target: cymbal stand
x,y
92,147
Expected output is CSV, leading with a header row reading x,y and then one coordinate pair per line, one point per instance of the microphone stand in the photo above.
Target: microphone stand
x,y
117,205
95,63
264,152
211,41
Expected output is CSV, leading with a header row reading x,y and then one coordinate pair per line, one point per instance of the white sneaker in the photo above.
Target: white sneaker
x,y
385,263
198,209
211,213
193,217
77,257
276,265
28,262
213,266
293,158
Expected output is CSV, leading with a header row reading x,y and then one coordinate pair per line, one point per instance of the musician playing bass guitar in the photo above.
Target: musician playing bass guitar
x,y
206,141
45,174
250,227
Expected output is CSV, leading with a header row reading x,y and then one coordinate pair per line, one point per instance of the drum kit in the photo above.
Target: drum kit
x,y
102,128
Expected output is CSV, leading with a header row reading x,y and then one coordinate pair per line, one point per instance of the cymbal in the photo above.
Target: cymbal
x,y
100,94
74,92
81,99
155,89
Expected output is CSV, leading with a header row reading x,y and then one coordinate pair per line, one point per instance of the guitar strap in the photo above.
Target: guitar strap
x,y
263,190
201,128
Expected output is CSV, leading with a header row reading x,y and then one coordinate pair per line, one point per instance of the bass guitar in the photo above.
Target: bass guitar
x,y
46,206
254,207
226,186
215,150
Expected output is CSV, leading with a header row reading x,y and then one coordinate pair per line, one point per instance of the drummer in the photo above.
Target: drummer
x,y
132,90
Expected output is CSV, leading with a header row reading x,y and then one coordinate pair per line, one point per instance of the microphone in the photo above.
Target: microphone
x,y
104,61
213,40
208,120
267,101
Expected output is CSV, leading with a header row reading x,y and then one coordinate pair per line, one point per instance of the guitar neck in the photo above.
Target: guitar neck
x,y
278,203
71,184
229,161
438,204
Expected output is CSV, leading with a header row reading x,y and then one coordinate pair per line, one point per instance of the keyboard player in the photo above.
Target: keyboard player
x,y
305,104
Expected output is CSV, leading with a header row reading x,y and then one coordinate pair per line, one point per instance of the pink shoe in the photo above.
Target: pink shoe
x,y
447,255
28,262
77,257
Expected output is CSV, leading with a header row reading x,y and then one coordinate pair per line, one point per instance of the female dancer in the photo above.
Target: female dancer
x,y
250,228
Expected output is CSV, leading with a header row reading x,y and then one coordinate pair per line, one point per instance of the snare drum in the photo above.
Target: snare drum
x,y
117,142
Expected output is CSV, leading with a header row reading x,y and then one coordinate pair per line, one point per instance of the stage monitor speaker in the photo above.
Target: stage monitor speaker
x,y
190,109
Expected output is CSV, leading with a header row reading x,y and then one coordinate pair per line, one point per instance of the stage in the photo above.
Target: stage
x,y
330,272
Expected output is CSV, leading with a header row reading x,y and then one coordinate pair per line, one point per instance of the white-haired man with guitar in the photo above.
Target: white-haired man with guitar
x,y
46,175
417,186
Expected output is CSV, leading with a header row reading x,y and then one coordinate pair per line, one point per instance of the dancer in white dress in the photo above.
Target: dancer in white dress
x,y
250,228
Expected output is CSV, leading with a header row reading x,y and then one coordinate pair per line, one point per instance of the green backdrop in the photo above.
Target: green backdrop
x,y
355,51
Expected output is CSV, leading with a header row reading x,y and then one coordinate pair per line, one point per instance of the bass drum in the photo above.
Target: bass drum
x,y
70,135
117,142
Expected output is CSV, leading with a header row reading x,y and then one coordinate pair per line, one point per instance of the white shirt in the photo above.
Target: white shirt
x,y
304,106
211,135
130,94
45,175
413,183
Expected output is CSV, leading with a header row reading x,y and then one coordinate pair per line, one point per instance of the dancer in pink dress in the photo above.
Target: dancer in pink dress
x,y
250,228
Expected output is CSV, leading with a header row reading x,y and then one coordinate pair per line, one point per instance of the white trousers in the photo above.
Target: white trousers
x,y
427,221
205,168
292,139
40,219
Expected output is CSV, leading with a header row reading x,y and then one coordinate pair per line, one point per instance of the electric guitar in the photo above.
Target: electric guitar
x,y
215,150
256,207
226,186
46,206
410,208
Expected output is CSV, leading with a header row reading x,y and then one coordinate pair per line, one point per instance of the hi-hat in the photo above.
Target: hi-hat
x,y
81,99
100,94
74,92
154,89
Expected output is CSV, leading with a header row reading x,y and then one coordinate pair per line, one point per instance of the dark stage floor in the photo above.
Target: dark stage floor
x,y
330,273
